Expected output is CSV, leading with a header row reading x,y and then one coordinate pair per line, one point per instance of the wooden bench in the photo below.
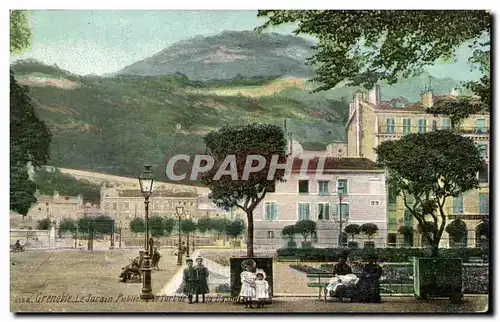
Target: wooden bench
x,y
320,281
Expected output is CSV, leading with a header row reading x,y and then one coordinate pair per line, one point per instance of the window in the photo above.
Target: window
x,y
408,218
390,126
392,196
342,186
480,126
406,126
391,239
303,186
270,234
483,174
422,126
393,222
344,210
484,203
271,188
323,187
127,205
114,205
271,211
483,150
434,125
323,211
446,124
374,203
458,205
304,211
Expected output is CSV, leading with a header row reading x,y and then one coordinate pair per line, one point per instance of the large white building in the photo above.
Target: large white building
x,y
316,197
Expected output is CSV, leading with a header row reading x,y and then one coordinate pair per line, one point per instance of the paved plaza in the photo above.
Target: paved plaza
x,y
91,279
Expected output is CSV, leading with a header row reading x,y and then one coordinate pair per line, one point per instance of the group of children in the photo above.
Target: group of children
x,y
254,286
195,280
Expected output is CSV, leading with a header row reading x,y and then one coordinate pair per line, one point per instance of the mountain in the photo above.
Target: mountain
x,y
228,55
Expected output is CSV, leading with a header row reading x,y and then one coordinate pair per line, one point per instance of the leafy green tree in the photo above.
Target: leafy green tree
x,y
352,230
204,224
365,46
369,229
407,232
137,225
430,167
29,136
169,225
20,31
219,226
44,224
457,230
458,109
241,141
305,227
156,227
67,225
103,224
235,228
188,226
289,232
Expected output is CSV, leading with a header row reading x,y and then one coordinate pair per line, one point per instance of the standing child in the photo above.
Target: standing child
x,y
190,280
248,282
261,288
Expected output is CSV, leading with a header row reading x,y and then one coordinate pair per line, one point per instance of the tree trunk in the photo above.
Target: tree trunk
x,y
435,249
250,234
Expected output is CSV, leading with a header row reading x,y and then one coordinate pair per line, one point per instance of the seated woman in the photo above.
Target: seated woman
x,y
344,281
369,283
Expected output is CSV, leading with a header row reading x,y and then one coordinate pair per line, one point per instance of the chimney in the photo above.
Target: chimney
x,y
374,95
427,99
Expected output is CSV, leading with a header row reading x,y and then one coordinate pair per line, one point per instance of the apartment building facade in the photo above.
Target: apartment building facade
x,y
316,196
372,121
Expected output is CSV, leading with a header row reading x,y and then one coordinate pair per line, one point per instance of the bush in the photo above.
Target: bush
x,y
352,244
397,255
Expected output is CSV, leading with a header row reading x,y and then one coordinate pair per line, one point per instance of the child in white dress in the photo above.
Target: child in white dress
x,y
261,288
248,284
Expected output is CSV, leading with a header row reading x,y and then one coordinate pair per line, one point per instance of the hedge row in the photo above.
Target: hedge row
x,y
397,255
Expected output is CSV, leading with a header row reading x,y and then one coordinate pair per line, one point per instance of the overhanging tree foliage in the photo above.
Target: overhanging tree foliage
x,y
431,167
227,192
29,136
458,109
363,47
235,228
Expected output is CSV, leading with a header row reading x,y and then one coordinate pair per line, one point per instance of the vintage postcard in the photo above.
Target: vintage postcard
x,y
250,161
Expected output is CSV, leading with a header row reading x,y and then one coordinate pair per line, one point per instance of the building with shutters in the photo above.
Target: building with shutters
x,y
372,121
315,196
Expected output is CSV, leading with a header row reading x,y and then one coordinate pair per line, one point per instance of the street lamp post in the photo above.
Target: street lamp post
x,y
120,232
341,220
187,238
146,181
179,211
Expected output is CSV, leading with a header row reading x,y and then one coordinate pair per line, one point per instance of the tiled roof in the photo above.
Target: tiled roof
x,y
158,193
337,164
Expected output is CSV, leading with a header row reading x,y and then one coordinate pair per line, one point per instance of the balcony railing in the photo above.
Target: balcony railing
x,y
403,130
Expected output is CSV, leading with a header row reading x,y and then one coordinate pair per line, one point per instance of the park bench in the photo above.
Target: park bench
x,y
320,281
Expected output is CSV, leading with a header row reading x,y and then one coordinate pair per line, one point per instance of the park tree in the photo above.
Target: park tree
x,y
66,225
204,225
44,224
156,226
103,224
261,141
407,232
29,136
369,229
188,226
137,225
361,47
430,168
84,223
289,232
169,225
457,230
352,229
235,228
306,228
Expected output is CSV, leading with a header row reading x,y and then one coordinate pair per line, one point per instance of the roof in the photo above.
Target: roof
x,y
337,164
158,193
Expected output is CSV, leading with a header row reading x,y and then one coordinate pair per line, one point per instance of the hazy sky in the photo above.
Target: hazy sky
x,y
98,42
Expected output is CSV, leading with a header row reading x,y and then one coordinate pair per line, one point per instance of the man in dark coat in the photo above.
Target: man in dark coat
x,y
202,275
189,280
134,267
341,268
